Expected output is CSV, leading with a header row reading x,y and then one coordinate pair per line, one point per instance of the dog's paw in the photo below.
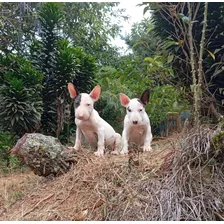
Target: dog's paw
x,y
124,151
70,148
147,148
76,148
99,153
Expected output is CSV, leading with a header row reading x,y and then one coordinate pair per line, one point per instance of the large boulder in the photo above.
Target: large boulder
x,y
45,155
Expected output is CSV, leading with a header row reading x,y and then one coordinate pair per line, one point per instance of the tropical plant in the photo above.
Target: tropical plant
x,y
20,92
61,63
45,58
73,65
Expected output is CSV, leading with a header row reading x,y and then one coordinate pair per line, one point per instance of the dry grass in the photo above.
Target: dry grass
x,y
178,180
96,189
194,188
13,186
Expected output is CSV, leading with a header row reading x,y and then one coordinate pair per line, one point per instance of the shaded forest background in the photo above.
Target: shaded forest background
x,y
43,46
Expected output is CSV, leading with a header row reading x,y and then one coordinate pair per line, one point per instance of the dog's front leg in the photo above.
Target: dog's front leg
x,y
78,139
125,142
101,142
117,144
148,139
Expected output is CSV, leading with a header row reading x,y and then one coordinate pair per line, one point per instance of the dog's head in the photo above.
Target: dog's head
x,y
83,102
135,107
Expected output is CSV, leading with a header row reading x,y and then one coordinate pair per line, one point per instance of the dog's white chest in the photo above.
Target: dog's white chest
x,y
89,131
137,134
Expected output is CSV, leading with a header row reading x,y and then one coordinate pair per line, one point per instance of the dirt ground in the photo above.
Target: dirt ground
x,y
13,186
92,190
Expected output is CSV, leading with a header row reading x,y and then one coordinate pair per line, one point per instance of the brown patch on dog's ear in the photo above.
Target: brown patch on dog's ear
x,y
124,99
72,91
95,93
145,97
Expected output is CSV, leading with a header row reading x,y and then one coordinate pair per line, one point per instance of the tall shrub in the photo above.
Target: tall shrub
x,y
20,93
61,63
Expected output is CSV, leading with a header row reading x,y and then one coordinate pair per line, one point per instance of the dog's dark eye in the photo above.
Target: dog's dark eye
x,y
129,109
88,104
140,110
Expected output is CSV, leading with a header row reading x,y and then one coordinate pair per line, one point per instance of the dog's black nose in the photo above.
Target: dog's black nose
x,y
135,122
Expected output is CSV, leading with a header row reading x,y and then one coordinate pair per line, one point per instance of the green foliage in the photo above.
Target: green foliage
x,y
61,63
143,40
109,106
166,28
87,68
50,18
165,99
20,93
5,146
18,23
86,24
73,65
132,78
158,70
90,25
7,160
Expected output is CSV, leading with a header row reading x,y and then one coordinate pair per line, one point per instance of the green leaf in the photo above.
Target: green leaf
x,y
186,19
171,72
217,50
218,71
211,54
180,15
170,58
146,9
149,59
155,6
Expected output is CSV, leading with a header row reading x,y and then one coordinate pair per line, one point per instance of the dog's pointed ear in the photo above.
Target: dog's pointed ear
x,y
95,93
72,90
145,97
124,99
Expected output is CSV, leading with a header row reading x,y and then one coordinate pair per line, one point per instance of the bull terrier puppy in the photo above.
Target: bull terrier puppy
x,y
137,128
97,131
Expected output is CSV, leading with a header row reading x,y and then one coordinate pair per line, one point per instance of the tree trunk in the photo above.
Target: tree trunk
x,y
192,62
200,60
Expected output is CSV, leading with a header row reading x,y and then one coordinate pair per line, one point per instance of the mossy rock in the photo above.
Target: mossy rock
x,y
218,141
45,155
217,146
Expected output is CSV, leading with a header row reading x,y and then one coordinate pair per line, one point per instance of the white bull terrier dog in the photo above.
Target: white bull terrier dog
x,y
97,131
137,128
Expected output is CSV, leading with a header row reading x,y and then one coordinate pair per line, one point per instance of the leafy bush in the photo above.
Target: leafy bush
x,y
130,80
87,68
7,160
20,93
73,65
165,99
